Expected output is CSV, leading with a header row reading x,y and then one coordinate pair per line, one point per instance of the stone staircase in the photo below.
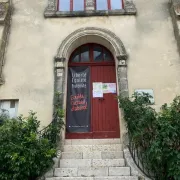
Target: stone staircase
x,y
92,159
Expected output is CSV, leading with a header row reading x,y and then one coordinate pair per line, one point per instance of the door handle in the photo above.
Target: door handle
x,y
101,99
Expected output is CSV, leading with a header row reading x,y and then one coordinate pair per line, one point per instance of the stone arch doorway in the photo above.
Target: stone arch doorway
x,y
92,113
90,35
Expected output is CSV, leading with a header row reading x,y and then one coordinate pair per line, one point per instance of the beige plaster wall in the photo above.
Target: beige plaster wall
x,y
148,37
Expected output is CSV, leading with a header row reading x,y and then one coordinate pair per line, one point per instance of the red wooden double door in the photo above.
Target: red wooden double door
x,y
104,114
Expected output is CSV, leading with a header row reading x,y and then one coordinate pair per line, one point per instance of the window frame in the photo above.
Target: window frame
x,y
11,111
108,5
52,10
91,61
71,6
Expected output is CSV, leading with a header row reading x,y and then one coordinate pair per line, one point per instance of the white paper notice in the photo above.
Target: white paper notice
x,y
109,87
97,94
97,89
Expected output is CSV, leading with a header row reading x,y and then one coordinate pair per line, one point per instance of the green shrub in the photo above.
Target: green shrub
x,y
3,116
24,154
155,134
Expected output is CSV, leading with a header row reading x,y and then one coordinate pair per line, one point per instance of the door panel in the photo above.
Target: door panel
x,y
104,112
105,118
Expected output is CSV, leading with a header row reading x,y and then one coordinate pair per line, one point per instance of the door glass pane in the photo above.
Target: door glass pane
x,y
97,53
116,4
101,5
78,5
84,53
64,5
75,56
107,56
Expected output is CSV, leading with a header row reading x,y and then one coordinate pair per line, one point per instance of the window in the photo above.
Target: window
x,y
98,53
76,56
109,4
9,107
91,53
86,8
101,5
71,5
78,5
64,5
116,4
81,54
12,104
85,53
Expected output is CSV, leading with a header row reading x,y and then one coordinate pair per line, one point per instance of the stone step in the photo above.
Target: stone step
x,y
75,163
66,172
119,171
108,162
92,171
102,154
80,148
95,178
93,155
72,155
92,141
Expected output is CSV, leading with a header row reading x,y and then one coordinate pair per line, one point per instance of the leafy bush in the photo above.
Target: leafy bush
x,y
155,134
3,116
24,153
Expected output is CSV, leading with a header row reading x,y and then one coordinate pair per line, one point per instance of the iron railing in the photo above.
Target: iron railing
x,y
52,132
48,133
139,158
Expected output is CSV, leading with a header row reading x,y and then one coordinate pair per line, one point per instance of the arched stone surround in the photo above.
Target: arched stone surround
x,y
90,35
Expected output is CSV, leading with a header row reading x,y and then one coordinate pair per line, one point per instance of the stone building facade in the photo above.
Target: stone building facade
x,y
140,37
